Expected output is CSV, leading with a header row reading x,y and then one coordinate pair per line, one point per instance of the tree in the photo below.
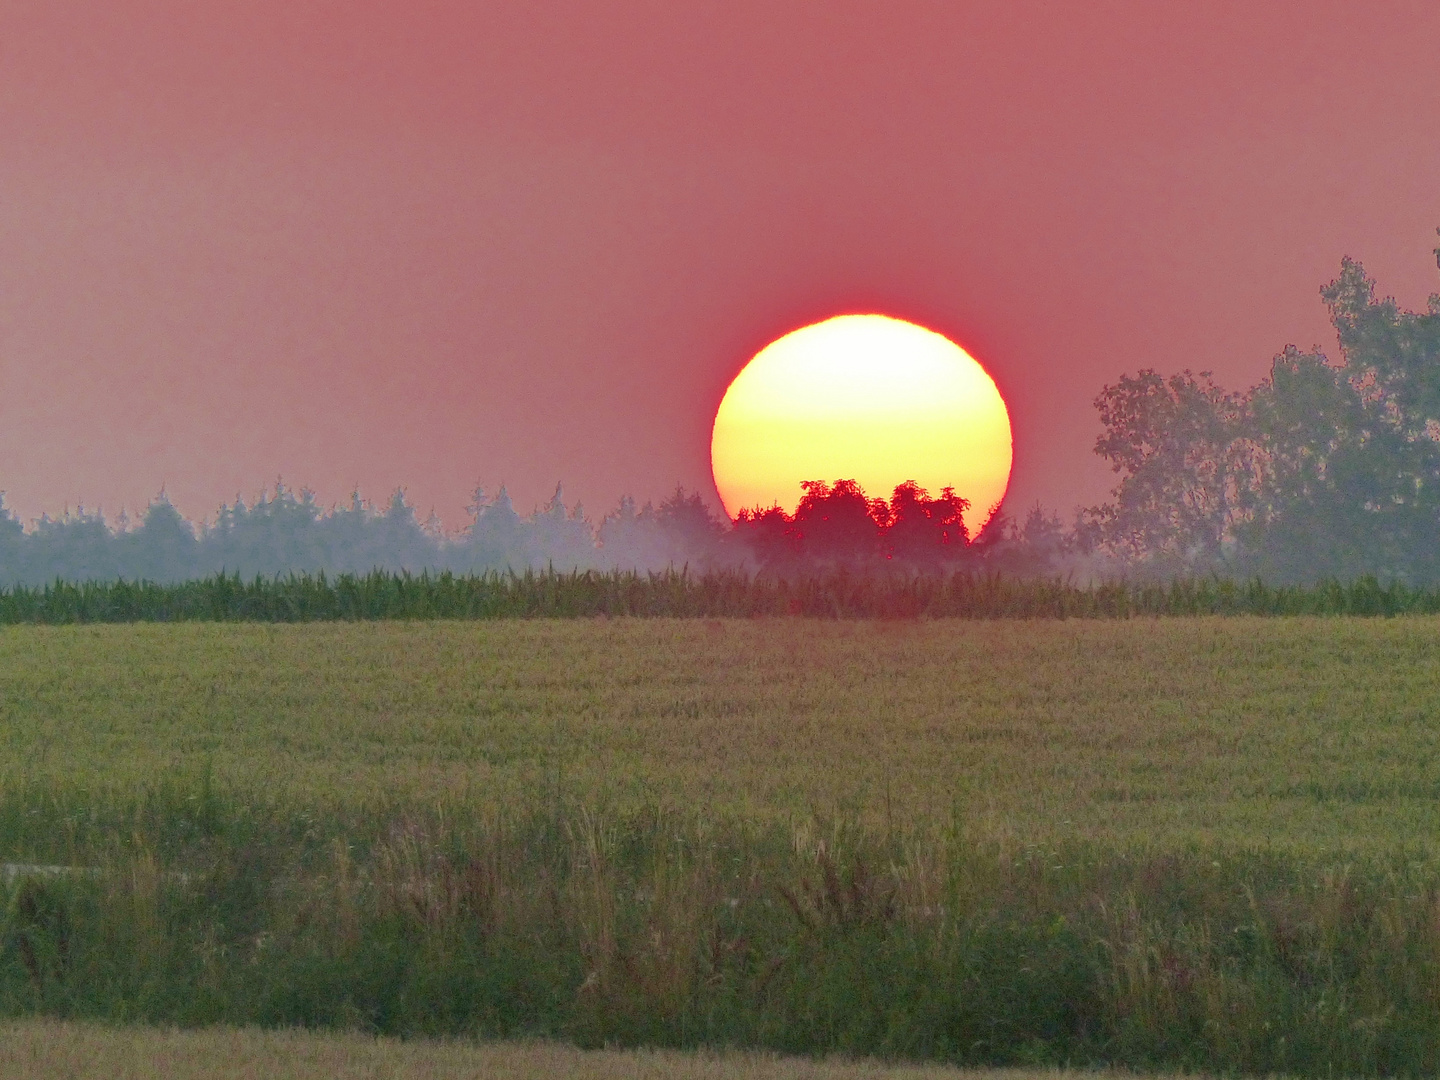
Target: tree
x,y
497,539
278,533
767,536
12,546
1321,470
1316,473
838,525
402,538
1180,446
1349,478
1393,356
692,534
163,548
76,547
563,539
925,532
629,538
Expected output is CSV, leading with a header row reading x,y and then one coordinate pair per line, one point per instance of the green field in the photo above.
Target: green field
x,y
1319,734
1202,843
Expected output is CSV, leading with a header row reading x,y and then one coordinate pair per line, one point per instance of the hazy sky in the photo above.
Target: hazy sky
x,y
433,242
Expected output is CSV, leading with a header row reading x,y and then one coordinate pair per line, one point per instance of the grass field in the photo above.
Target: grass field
x,y
1302,733
1195,844
95,1052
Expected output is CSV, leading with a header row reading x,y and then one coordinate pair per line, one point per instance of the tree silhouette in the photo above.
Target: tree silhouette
x,y
837,525
766,536
925,532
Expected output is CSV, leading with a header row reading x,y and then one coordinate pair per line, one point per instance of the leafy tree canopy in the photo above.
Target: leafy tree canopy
x,y
1322,470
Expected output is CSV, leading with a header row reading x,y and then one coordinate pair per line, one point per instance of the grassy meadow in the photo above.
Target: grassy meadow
x,y
1299,733
1196,844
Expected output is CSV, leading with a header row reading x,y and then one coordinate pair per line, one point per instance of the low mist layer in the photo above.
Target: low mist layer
x,y
286,532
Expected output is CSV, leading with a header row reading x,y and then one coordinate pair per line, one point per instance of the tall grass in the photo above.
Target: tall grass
x,y
385,595
650,929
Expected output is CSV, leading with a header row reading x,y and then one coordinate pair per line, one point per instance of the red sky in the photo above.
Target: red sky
x,y
429,243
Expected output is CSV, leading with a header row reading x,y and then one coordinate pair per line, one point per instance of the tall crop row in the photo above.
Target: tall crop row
x,y
384,595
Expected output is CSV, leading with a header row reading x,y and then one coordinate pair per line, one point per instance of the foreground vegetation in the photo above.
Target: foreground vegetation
x,y
671,593
96,1052
1195,844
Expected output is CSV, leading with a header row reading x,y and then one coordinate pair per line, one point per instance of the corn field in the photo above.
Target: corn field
x,y
677,593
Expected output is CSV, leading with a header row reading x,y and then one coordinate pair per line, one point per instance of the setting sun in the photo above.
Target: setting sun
x,y
867,398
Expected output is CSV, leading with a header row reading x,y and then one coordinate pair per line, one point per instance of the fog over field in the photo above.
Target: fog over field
x,y
283,531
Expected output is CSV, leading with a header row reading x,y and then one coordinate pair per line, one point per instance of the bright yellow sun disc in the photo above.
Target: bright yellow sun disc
x,y
867,398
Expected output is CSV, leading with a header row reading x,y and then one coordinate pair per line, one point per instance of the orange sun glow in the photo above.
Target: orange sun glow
x,y
866,398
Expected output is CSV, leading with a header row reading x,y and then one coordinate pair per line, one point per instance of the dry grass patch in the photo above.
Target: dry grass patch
x,y
34,1049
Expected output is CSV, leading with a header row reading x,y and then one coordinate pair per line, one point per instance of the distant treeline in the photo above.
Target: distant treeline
x,y
719,594
1321,472
287,532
